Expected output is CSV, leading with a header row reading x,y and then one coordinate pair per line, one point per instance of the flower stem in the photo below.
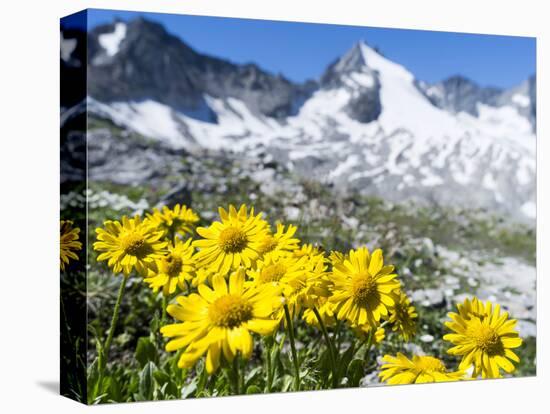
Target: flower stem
x,y
236,376
114,320
369,345
103,350
330,347
338,336
164,304
290,329
269,375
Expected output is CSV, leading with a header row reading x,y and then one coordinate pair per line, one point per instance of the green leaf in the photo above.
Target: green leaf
x,y
287,381
355,372
189,389
146,351
253,375
111,388
345,360
92,380
161,377
253,389
147,381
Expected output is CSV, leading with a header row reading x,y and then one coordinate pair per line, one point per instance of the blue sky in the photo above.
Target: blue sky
x,y
302,50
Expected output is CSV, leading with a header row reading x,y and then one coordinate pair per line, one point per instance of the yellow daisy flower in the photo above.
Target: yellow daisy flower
x,y
318,293
308,250
473,307
379,335
307,287
337,257
421,369
232,241
280,271
69,243
130,244
363,287
202,276
219,321
178,220
280,243
174,268
486,341
364,330
326,311
402,316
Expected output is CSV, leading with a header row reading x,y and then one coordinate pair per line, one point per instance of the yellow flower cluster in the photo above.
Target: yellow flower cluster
x,y
482,335
240,276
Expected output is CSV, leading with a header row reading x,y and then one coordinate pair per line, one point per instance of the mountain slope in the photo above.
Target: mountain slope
x,y
368,124
140,60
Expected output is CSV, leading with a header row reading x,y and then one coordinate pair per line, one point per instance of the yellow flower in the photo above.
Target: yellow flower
x,y
68,243
363,287
473,307
178,220
281,271
337,257
202,276
308,250
280,243
307,287
130,244
174,268
483,337
421,369
326,311
233,241
219,321
379,335
402,316
364,330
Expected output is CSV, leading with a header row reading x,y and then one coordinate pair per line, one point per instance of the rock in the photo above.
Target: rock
x,y
179,195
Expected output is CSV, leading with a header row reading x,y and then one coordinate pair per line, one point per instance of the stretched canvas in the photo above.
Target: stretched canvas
x,y
254,206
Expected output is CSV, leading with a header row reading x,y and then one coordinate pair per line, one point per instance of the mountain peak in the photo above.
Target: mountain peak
x,y
459,81
353,60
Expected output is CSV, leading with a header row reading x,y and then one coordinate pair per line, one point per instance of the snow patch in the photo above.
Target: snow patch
x,y
67,47
521,100
148,118
345,167
111,41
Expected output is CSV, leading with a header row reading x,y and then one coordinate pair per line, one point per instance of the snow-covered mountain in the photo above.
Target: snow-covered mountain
x,y
367,124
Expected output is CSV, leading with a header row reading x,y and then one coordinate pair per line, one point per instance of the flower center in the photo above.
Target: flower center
x,y
232,240
173,265
134,244
364,289
430,364
230,311
268,244
487,339
272,273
